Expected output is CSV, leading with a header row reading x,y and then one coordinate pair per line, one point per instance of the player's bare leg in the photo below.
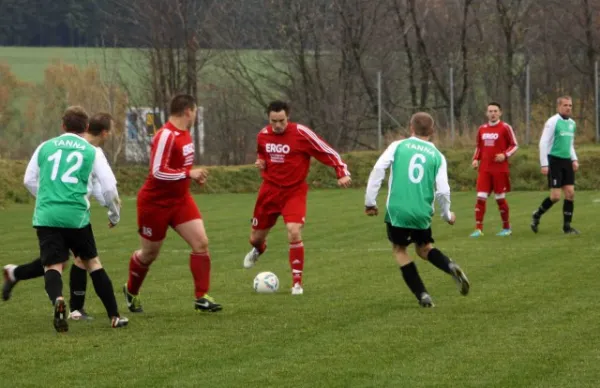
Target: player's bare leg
x,y
104,289
139,264
258,240
479,214
568,207
547,203
411,276
296,255
54,284
504,214
194,233
440,260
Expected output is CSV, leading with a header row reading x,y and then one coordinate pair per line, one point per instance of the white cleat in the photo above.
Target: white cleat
x,y
251,258
297,289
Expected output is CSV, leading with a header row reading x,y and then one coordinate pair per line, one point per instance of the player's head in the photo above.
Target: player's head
x,y
494,112
183,107
75,120
421,124
278,112
564,105
100,126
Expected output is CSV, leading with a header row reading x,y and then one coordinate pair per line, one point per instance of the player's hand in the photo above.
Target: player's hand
x,y
575,165
371,210
500,158
199,175
475,164
345,181
544,170
452,219
261,164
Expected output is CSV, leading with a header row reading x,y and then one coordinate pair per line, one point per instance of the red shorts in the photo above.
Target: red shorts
x,y
498,182
153,220
273,201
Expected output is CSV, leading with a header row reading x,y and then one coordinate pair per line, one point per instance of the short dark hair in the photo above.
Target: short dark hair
x,y
180,103
422,124
278,106
495,104
75,119
99,122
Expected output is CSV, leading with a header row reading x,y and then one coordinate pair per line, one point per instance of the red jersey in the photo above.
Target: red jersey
x,y
171,159
288,154
495,139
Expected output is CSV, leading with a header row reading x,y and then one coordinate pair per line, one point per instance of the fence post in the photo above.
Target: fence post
x,y
527,105
379,134
452,104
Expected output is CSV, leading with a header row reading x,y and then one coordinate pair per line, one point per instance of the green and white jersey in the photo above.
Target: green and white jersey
x,y
558,139
61,175
418,175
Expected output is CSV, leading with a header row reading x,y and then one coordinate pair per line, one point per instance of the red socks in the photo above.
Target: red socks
x,y
137,274
297,261
200,267
479,212
503,207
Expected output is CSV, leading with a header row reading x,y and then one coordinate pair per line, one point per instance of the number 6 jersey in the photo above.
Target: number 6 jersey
x,y
418,175
60,175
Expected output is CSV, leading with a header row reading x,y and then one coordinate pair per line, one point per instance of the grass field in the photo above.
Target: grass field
x,y
530,320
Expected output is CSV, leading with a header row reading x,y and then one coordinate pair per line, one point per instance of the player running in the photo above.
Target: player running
x,y
496,143
559,162
284,152
165,201
418,175
97,133
59,175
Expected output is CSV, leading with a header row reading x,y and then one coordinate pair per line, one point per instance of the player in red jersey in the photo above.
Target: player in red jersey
x,y
496,143
284,152
165,201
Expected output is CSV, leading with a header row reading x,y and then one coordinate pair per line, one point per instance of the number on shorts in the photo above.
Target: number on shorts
x,y
67,177
416,169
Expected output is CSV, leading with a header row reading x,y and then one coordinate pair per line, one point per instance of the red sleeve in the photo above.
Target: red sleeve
x,y
160,160
323,152
260,148
511,141
477,154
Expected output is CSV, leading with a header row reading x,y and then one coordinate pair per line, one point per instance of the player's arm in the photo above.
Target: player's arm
x,y
377,176
513,145
323,152
108,183
32,173
573,153
546,141
261,155
160,163
97,192
477,153
442,191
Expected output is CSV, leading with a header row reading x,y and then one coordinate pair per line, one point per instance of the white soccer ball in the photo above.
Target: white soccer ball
x,y
266,283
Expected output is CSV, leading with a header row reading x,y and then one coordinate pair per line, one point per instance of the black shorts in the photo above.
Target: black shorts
x,y
55,244
405,236
560,172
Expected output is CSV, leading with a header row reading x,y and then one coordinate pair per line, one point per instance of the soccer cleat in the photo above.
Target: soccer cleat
x,y
535,222
504,233
460,278
60,316
476,233
571,231
251,258
207,304
9,281
117,322
80,315
297,289
425,300
134,304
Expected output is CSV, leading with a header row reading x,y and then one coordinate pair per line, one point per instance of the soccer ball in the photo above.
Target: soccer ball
x,y
266,283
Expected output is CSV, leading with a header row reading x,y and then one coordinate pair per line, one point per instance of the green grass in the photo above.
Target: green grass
x,y
529,321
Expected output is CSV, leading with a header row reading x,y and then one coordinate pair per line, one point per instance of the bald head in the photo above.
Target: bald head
x,y
421,124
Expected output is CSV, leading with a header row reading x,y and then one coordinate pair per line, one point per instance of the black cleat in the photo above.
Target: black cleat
x,y
207,304
8,282
425,300
461,279
118,322
570,230
535,222
60,316
134,304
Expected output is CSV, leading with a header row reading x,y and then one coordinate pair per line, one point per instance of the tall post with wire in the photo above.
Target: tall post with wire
x,y
452,104
527,105
379,112
597,101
